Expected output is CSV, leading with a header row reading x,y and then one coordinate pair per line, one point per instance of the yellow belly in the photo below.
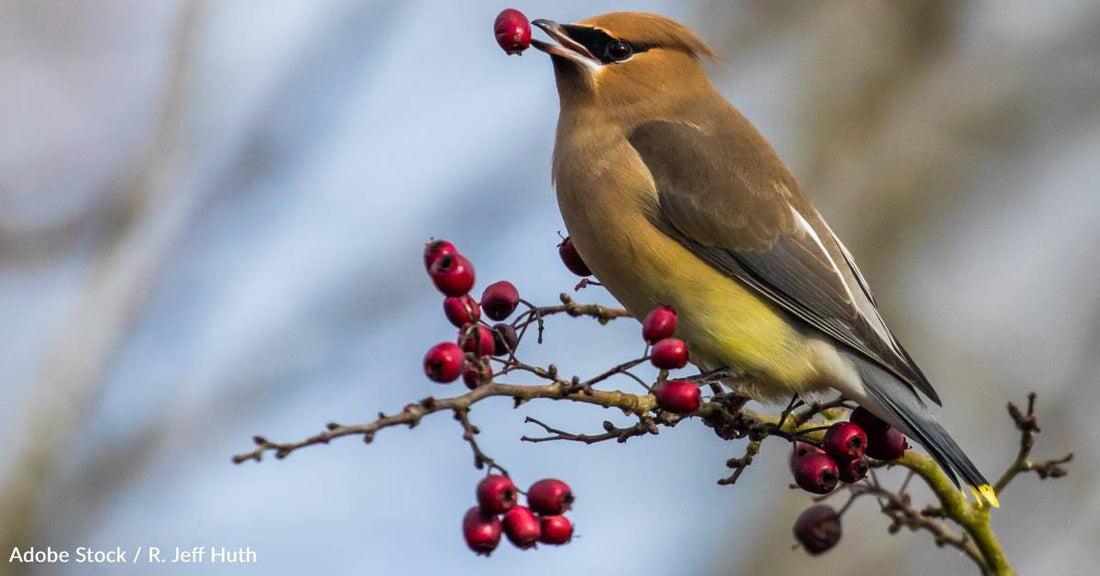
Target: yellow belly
x,y
724,323
603,191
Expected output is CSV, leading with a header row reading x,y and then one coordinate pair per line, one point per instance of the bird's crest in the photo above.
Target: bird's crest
x,y
651,30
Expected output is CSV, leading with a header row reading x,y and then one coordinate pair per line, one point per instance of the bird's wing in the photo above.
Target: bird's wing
x,y
724,194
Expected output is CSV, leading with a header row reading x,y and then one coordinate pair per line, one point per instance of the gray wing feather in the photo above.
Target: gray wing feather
x,y
723,193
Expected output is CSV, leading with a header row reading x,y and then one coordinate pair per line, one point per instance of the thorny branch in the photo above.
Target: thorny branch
x,y
727,415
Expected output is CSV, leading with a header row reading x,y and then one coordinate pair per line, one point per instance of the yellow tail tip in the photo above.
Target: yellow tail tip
x,y
990,495
985,492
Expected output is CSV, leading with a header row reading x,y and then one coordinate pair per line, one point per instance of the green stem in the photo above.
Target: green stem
x,y
973,518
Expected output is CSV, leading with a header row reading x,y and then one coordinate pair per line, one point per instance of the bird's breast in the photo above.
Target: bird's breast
x,y
603,190
607,196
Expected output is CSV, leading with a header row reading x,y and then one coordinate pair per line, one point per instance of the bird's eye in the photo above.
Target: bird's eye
x,y
619,51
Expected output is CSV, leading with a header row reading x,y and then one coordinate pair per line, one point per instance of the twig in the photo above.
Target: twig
x,y
411,415
469,434
794,403
644,426
536,314
1028,426
623,368
822,408
739,464
898,508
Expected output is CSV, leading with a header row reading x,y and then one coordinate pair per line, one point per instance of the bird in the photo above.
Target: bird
x,y
672,197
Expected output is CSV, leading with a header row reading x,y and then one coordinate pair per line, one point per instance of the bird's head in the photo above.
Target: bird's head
x,y
623,58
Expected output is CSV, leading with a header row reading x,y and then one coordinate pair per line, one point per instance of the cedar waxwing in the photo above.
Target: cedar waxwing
x,y
673,198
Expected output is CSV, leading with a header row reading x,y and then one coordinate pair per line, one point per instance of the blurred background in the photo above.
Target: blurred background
x,y
211,220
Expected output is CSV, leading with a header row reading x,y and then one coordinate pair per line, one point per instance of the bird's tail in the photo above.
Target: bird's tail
x,y
905,410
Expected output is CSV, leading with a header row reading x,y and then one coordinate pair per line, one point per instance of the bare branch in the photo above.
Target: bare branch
x,y
739,464
536,314
469,434
1028,426
644,426
412,413
899,508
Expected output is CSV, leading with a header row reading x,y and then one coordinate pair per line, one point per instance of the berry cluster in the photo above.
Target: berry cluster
x,y
468,356
498,510
453,274
842,457
668,353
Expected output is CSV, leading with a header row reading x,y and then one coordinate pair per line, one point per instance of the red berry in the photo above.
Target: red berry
x,y
799,451
452,274
499,300
816,473
678,397
844,441
888,444
476,374
572,259
522,527
817,528
496,494
477,339
505,339
482,531
444,362
659,324
883,440
870,423
669,354
461,310
435,250
556,530
550,497
513,31
853,470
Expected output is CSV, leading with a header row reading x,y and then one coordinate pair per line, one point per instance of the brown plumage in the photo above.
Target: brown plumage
x,y
655,29
673,197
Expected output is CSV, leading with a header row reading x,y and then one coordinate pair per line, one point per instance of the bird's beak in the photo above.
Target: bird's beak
x,y
566,47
